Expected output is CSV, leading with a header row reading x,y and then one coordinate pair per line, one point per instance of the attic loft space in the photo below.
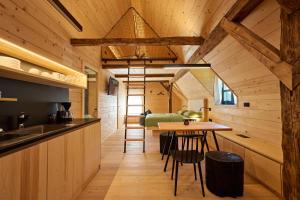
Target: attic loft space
x,y
156,99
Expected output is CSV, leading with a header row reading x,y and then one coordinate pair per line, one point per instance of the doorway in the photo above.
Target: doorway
x,y
90,94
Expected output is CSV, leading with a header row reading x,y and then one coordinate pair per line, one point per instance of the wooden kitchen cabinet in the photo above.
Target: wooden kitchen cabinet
x,y
24,174
57,169
92,155
10,175
73,160
65,164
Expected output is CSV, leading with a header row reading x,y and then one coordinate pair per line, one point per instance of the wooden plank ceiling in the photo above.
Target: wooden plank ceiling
x,y
168,18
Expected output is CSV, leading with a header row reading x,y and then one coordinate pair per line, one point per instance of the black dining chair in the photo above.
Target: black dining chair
x,y
189,152
174,138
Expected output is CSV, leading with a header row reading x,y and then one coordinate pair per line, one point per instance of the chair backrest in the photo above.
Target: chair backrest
x,y
189,143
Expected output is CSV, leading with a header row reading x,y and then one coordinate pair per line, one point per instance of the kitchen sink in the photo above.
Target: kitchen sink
x,y
9,136
28,131
22,133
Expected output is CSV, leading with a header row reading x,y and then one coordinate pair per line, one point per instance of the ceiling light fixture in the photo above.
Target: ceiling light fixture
x,y
66,14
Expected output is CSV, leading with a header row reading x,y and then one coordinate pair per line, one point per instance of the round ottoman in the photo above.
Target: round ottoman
x,y
224,173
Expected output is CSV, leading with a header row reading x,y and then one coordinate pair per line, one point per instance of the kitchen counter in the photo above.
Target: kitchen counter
x,y
41,133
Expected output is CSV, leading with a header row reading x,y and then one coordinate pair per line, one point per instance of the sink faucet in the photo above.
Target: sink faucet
x,y
2,131
21,119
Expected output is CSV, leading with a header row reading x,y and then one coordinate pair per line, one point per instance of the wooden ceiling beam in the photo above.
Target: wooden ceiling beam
x,y
154,66
239,11
142,75
266,53
289,6
159,41
147,81
114,60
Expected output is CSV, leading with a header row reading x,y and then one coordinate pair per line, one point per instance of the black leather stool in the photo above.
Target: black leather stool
x,y
165,140
224,173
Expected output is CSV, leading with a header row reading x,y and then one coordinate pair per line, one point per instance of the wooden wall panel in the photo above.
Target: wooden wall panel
x,y
250,80
157,98
36,27
108,106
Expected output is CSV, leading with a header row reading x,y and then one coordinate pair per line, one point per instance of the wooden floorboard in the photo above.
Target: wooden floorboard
x,y
138,176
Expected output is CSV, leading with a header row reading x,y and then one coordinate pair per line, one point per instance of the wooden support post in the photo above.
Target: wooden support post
x,y
205,110
170,97
290,106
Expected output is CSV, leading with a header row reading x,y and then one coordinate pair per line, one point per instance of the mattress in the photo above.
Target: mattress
x,y
153,119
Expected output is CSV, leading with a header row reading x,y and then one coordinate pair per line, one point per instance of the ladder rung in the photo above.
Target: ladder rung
x,y
141,88
136,84
135,140
136,105
134,127
136,67
136,94
136,75
131,122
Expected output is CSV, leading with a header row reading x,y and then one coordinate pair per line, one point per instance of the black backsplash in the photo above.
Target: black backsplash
x,y
38,101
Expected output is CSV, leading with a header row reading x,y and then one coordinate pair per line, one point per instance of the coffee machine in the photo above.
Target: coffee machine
x,y
63,112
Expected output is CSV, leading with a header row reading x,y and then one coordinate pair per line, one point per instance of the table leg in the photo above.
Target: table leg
x,y
203,139
165,144
216,141
169,151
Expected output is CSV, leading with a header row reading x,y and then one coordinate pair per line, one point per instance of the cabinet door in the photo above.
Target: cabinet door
x,y
56,169
10,176
65,166
74,163
92,156
23,175
34,173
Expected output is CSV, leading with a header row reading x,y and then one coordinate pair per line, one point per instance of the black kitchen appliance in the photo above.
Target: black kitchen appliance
x,y
63,113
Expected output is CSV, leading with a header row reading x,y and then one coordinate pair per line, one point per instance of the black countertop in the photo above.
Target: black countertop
x,y
42,133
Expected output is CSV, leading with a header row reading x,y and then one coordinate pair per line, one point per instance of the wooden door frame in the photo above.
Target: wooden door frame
x,y
87,65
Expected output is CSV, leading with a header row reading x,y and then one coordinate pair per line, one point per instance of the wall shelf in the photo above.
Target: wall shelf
x,y
34,78
71,77
8,99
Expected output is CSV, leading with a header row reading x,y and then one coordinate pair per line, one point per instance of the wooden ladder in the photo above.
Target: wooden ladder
x,y
133,85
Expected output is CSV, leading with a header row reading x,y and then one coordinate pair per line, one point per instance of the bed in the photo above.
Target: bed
x,y
152,119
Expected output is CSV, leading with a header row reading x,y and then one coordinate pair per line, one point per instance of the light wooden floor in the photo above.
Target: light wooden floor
x,y
138,176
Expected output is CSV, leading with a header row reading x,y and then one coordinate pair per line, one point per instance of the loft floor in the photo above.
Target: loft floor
x,y
135,175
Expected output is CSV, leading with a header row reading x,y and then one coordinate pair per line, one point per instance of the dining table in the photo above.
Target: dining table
x,y
204,127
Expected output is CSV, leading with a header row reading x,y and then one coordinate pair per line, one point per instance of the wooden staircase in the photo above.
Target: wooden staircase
x,y
132,85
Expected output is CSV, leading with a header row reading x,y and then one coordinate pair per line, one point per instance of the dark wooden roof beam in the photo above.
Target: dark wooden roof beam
x,y
142,75
239,11
159,41
155,66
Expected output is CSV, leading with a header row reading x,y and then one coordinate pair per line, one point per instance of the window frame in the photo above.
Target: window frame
x,y
220,102
223,94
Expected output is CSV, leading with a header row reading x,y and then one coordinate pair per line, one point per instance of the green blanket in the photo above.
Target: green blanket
x,y
153,119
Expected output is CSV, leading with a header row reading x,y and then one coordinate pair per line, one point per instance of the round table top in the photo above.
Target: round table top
x,y
222,156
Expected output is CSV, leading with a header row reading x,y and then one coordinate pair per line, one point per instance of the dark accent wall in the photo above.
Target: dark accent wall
x,y
36,100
